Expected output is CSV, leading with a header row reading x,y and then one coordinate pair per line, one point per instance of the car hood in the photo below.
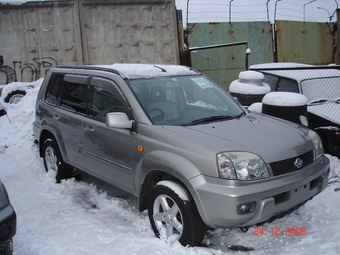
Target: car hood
x,y
271,138
327,110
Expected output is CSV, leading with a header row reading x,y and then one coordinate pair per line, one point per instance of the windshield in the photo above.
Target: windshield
x,y
321,89
184,100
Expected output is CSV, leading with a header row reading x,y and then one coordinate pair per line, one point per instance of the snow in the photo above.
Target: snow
x,y
176,188
135,70
249,82
328,110
255,107
91,217
284,99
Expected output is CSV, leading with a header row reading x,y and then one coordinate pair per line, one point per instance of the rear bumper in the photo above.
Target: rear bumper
x,y
218,201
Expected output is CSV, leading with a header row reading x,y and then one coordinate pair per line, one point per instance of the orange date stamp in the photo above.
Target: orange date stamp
x,y
288,231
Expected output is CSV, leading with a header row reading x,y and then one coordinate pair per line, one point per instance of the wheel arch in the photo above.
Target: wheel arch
x,y
151,179
159,166
47,134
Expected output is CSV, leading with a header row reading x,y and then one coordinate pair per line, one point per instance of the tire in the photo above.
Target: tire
x,y
172,215
53,161
2,112
7,248
15,96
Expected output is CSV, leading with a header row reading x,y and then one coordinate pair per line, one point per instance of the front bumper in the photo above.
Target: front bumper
x,y
218,200
8,223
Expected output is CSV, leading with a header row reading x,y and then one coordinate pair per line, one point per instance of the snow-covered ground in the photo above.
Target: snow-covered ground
x,y
89,217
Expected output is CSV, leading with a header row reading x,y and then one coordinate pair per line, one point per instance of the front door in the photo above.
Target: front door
x,y
108,152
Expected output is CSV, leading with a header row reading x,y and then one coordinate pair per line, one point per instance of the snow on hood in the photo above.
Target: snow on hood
x,y
279,65
328,110
284,99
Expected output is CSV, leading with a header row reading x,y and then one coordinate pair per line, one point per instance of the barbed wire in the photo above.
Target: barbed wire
x,y
214,10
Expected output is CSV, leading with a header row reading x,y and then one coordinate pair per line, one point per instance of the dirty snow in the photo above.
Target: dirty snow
x,y
90,217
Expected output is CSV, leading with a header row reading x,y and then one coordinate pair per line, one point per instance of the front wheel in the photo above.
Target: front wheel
x,y
172,213
53,161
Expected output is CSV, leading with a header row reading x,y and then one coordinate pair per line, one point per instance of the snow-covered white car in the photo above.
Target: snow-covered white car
x,y
321,86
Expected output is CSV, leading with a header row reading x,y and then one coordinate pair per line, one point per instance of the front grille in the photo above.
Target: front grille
x,y
291,164
7,248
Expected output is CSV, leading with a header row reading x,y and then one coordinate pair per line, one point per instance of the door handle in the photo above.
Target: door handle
x,y
88,128
56,117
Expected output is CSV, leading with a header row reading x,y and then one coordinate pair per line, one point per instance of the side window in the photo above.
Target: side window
x,y
104,98
271,80
53,88
288,85
74,97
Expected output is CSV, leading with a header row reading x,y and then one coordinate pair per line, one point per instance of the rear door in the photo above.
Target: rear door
x,y
68,93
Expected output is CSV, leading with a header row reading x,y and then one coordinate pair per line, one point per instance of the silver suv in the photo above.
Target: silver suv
x,y
193,156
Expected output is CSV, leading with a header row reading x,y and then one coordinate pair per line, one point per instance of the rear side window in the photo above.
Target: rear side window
x,y
68,91
53,89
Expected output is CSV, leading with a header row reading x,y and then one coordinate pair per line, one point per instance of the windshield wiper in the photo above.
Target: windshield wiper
x,y
213,118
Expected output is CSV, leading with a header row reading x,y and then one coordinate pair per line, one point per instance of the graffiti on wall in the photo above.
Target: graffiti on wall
x,y
26,72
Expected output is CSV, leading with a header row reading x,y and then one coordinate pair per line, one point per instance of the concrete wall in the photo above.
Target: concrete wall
x,y
39,35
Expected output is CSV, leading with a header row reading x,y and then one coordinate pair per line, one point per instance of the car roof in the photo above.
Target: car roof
x,y
305,72
138,71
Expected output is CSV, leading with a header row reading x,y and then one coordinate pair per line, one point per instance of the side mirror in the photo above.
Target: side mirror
x,y
118,120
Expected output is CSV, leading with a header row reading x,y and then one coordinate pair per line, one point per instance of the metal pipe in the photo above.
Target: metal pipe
x,y
275,9
230,10
267,10
329,15
187,14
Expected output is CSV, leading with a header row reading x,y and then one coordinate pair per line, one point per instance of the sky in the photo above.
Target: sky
x,y
249,10
256,10
90,217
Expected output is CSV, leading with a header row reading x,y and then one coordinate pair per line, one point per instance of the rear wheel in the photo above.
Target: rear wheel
x,y
53,161
173,214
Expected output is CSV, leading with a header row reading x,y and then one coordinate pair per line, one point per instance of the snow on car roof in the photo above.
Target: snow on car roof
x,y
135,71
300,75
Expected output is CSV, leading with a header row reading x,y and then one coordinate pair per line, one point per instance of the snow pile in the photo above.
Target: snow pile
x,y
284,99
90,217
249,82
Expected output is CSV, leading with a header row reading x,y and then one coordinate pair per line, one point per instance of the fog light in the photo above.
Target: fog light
x,y
246,208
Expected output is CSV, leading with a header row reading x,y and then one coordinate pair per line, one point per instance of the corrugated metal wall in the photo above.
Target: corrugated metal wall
x,y
302,42
305,42
224,64
39,35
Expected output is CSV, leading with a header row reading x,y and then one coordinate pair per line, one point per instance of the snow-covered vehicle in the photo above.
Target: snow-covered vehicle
x,y
321,86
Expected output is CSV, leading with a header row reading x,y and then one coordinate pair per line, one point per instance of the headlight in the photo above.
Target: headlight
x,y
318,148
243,166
